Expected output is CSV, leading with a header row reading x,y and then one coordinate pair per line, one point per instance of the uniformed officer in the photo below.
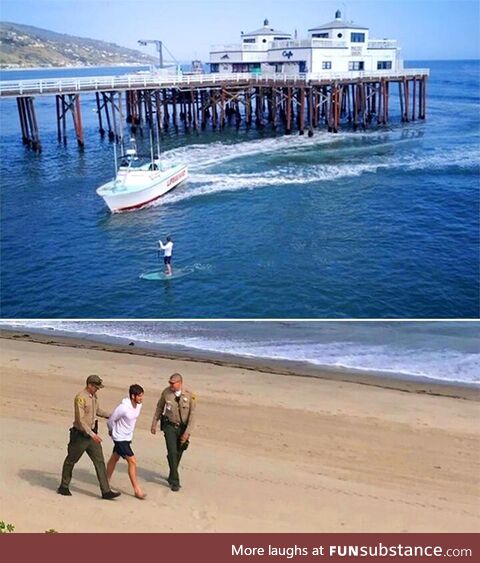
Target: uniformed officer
x,y
84,438
176,410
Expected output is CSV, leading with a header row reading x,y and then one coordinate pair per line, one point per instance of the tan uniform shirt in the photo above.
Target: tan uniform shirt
x,y
86,410
177,412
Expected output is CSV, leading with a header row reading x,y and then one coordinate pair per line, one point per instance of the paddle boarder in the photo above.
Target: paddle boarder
x,y
167,255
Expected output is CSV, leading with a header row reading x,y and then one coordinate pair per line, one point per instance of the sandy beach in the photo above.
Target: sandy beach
x,y
270,452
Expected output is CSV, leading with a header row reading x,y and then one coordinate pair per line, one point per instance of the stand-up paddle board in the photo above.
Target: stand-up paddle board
x,y
160,275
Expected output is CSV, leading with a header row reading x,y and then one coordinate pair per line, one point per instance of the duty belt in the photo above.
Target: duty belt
x,y
176,424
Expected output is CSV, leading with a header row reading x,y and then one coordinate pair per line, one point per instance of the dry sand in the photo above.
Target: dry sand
x,y
270,452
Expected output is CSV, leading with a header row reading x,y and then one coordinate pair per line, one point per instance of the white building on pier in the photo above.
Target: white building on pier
x,y
339,46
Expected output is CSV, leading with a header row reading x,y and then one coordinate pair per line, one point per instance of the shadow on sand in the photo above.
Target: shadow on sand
x,y
51,481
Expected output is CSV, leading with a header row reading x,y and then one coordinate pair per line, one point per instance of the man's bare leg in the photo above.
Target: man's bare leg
x,y
132,473
112,462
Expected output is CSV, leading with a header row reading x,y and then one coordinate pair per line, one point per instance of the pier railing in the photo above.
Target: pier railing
x,y
238,47
128,82
382,44
308,43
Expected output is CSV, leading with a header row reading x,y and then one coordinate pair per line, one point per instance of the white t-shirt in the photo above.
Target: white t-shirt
x,y
122,422
167,248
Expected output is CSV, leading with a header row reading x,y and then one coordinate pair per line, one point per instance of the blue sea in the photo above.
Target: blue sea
x,y
381,223
447,352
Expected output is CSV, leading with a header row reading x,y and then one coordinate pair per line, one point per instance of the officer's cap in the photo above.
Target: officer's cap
x,y
95,380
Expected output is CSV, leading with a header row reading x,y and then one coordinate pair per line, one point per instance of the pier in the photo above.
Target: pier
x,y
294,102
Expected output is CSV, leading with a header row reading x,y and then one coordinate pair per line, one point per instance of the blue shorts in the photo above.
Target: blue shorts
x,y
123,449
167,259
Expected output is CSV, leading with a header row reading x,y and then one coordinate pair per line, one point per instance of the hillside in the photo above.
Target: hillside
x,y
27,46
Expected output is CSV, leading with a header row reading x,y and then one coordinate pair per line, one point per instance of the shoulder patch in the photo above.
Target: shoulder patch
x,y
80,401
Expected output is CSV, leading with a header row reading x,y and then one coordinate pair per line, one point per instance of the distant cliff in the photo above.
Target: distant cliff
x,y
28,46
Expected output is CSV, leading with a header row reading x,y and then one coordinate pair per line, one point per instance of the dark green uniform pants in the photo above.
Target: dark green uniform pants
x,y
78,445
174,450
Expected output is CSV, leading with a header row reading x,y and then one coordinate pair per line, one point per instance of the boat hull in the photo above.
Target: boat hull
x,y
138,189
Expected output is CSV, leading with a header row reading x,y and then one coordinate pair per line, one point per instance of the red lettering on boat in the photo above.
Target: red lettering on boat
x,y
173,179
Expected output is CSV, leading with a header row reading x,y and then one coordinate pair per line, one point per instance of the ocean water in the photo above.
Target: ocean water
x,y
376,224
441,351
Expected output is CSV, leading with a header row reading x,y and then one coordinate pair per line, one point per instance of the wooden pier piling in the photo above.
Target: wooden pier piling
x,y
293,102
28,123
23,120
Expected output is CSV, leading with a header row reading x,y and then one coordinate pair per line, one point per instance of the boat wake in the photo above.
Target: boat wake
x,y
207,179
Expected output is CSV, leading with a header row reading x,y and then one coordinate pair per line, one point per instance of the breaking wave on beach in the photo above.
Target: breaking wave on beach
x,y
446,352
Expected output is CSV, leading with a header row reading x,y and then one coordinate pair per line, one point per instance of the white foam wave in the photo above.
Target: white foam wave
x,y
433,361
203,156
204,183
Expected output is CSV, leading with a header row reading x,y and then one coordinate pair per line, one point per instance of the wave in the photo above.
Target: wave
x,y
432,359
207,155
201,156
202,182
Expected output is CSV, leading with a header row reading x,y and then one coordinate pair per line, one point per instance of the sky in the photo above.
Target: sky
x,y
426,29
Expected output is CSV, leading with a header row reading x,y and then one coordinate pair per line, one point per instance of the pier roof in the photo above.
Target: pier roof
x,y
338,23
266,30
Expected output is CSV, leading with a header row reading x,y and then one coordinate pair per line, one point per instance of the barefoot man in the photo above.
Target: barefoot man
x,y
121,426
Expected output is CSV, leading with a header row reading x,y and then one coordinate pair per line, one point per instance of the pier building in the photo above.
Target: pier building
x,y
337,46
336,77
251,55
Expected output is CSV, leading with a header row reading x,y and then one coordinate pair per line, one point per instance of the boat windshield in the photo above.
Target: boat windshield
x,y
133,163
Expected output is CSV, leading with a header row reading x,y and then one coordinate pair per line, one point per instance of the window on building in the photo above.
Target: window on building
x,y
320,35
357,37
326,65
281,38
240,67
384,65
302,66
213,67
252,40
356,65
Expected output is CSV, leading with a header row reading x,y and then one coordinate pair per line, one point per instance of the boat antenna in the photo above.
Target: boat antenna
x,y
122,140
151,145
157,131
115,157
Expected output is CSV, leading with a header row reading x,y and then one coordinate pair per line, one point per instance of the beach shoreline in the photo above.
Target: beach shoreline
x,y
267,454
265,365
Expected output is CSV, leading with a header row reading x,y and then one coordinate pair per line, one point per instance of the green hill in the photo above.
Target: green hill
x,y
27,46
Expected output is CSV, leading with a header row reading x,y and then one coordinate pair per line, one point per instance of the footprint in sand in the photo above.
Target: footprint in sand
x,y
204,517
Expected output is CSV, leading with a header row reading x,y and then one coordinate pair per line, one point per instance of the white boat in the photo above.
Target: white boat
x,y
139,182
